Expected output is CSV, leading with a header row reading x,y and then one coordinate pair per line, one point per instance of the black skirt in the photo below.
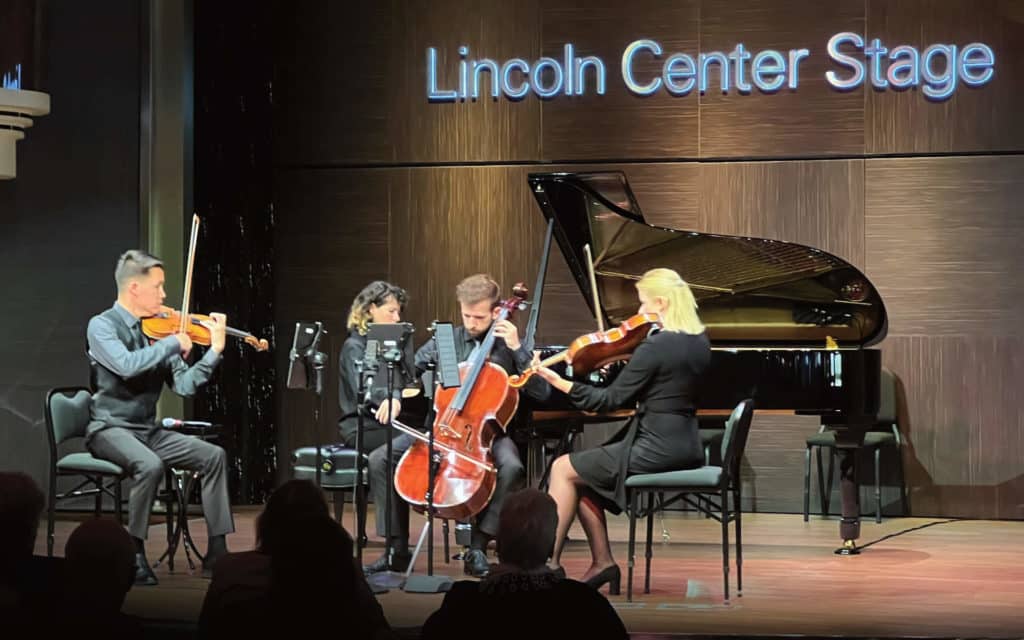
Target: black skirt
x,y
650,443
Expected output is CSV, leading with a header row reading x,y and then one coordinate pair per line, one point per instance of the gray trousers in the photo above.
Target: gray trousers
x,y
145,453
511,478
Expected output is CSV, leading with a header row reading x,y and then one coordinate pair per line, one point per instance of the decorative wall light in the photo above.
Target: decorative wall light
x,y
21,37
17,108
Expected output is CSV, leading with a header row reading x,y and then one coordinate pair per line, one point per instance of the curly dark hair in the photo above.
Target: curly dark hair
x,y
375,293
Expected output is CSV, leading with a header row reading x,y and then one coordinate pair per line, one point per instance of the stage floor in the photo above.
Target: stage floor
x,y
924,577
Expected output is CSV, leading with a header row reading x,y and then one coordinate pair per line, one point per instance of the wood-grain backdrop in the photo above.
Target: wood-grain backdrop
x,y
373,181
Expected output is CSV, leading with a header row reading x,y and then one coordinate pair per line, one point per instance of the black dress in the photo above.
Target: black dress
x,y
662,380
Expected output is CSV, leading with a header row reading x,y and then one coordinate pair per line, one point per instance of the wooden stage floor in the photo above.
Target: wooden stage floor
x,y
932,579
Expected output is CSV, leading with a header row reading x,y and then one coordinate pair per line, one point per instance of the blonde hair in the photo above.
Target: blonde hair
x,y
375,293
681,314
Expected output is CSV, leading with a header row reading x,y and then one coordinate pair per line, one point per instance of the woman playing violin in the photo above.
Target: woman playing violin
x,y
661,381
129,373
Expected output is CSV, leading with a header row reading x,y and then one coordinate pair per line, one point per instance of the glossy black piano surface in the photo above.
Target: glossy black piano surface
x,y
769,306
790,325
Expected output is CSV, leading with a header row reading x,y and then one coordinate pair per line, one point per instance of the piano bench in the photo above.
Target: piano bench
x,y
337,473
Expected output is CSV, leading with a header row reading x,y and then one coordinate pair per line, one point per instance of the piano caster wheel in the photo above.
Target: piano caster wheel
x,y
849,548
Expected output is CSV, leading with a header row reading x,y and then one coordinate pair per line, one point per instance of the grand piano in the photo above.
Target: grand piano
x,y
790,325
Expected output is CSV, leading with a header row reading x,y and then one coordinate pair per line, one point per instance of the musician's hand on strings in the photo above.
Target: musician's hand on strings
x,y
382,411
508,332
217,324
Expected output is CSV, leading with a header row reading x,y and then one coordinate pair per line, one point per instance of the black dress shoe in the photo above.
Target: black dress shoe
x,y
611,575
399,562
144,575
558,572
475,564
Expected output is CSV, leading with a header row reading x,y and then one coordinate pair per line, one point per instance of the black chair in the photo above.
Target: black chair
x,y
711,485
886,433
67,416
337,474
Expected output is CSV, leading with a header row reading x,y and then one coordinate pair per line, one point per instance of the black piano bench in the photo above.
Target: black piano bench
x,y
337,473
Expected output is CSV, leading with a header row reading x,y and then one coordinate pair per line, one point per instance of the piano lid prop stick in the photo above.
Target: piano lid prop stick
x,y
593,287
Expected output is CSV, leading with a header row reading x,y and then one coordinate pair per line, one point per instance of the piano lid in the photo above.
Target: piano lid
x,y
750,291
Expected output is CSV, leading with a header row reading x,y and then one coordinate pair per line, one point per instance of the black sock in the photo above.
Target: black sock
x,y
217,546
479,540
140,545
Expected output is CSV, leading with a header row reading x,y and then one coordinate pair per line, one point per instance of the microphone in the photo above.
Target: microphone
x,y
170,423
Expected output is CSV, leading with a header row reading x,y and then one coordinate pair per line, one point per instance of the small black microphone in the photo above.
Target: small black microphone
x,y
170,423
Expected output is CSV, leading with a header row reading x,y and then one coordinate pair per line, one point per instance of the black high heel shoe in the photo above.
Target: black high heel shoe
x,y
612,575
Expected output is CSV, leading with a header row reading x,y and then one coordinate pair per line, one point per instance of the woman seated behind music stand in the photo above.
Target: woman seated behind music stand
x,y
522,598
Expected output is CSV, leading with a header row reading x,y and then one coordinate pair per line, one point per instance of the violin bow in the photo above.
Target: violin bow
x,y
186,294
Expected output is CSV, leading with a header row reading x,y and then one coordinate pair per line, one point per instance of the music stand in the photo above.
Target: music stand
x,y
306,371
447,372
391,344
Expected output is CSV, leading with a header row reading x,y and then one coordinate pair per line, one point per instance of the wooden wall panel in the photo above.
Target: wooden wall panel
x,y
813,119
943,238
451,222
982,119
331,239
963,423
819,203
620,124
332,82
484,130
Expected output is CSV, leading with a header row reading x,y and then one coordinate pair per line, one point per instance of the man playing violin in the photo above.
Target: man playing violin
x,y
478,297
128,375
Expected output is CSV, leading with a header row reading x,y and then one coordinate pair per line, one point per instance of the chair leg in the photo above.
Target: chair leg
x,y
650,536
739,542
51,513
822,498
831,478
725,543
807,483
99,495
447,550
631,497
903,482
117,499
339,505
878,485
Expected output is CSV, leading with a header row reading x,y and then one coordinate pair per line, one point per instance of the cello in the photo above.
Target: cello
x,y
467,420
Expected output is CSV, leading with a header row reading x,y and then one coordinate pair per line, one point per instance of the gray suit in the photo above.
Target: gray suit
x,y
128,378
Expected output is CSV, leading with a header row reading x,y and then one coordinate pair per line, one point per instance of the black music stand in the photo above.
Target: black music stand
x,y
306,371
391,344
447,372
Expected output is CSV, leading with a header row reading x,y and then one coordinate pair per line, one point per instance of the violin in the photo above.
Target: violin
x,y
169,322
591,352
467,421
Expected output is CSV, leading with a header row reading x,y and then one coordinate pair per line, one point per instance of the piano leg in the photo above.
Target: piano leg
x,y
849,494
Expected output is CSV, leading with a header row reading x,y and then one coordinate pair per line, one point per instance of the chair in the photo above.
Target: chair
x,y
337,474
886,433
712,485
67,416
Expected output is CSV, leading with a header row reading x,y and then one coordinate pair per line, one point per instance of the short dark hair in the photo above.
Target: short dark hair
x,y
133,264
526,529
